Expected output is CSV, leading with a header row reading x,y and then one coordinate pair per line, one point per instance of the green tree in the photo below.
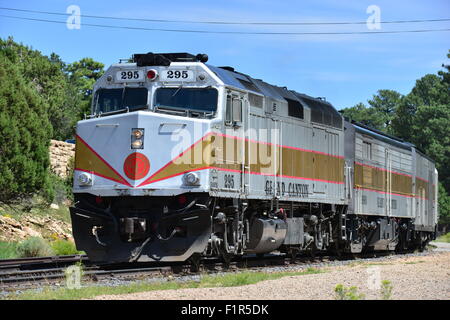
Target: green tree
x,y
445,75
385,104
46,76
82,76
25,133
401,125
431,90
364,115
380,112
66,88
431,133
444,206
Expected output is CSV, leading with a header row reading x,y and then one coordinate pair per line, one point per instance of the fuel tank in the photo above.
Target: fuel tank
x,y
266,235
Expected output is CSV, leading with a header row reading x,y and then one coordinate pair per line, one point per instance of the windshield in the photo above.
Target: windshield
x,y
108,100
187,99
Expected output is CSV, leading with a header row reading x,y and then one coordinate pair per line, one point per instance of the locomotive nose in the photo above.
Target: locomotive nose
x,y
137,151
112,152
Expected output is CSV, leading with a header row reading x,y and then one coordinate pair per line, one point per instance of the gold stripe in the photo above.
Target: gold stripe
x,y
227,153
86,159
377,179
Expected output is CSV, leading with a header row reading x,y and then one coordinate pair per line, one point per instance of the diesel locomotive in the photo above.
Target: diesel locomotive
x,y
180,160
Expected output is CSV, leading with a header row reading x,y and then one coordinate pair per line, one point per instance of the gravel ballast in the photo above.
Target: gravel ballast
x,y
422,277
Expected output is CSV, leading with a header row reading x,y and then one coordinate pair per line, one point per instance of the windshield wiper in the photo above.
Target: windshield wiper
x,y
179,88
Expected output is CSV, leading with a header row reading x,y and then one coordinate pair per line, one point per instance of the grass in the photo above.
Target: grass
x,y
8,250
378,264
386,289
344,293
64,248
37,247
31,247
245,278
351,293
444,238
34,247
414,262
207,281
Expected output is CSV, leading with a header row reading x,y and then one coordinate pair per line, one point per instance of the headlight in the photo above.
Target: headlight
x,y
137,138
138,133
136,144
191,179
85,179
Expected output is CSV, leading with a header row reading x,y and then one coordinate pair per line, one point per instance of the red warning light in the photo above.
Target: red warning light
x,y
136,166
152,74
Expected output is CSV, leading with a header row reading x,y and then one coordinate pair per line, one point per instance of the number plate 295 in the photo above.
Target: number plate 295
x,y
177,75
130,76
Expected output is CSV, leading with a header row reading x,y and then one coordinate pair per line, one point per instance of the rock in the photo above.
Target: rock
x,y
61,154
54,206
33,226
30,232
34,221
9,221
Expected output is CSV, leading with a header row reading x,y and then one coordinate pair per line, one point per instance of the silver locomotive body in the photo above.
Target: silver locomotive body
x,y
181,159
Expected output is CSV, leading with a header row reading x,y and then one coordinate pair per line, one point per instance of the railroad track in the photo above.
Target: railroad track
x,y
39,262
21,274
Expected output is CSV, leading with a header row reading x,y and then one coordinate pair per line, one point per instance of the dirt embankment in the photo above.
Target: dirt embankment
x,y
16,229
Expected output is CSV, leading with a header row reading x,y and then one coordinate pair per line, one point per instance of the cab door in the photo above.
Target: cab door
x,y
271,157
320,162
235,175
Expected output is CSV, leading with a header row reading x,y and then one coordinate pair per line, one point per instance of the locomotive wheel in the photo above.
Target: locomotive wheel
x,y
336,250
293,252
227,257
312,252
195,261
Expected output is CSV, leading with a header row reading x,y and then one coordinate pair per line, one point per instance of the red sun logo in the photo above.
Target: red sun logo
x,y
136,166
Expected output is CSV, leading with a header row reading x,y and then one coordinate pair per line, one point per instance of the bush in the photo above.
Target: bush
x,y
62,188
386,289
64,248
444,238
8,250
343,293
34,247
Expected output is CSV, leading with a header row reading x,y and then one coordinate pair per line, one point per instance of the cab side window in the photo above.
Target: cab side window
x,y
367,150
237,110
233,110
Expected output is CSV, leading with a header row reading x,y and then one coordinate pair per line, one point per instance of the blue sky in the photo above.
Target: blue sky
x,y
346,69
